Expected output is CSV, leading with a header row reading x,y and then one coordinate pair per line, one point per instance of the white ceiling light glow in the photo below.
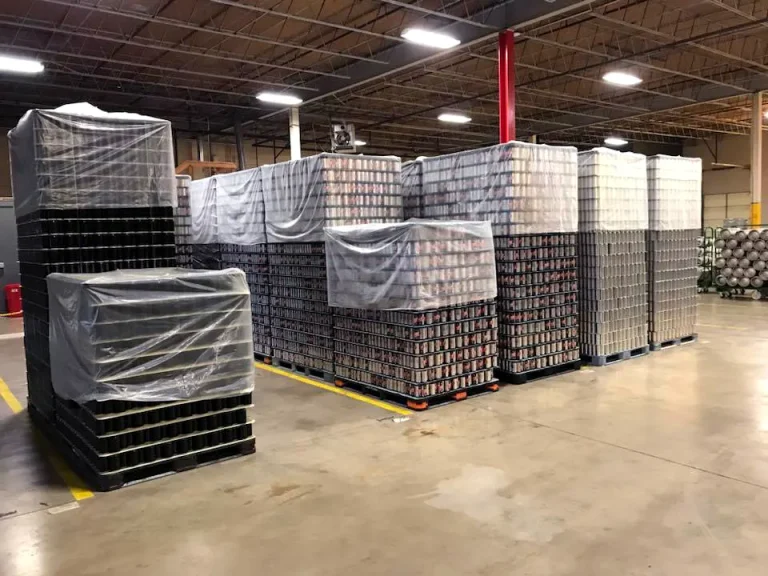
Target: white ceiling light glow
x,y
277,98
615,141
622,79
454,118
429,38
360,142
20,65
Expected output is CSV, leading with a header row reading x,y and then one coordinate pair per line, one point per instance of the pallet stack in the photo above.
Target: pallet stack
x,y
182,218
204,246
242,241
93,192
152,370
529,195
674,219
412,177
414,317
301,198
613,281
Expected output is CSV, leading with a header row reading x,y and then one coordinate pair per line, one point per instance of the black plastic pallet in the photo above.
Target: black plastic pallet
x,y
613,358
265,358
656,346
149,471
299,369
524,377
417,403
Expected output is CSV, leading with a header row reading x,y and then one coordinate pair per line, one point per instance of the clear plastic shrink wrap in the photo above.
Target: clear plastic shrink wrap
x,y
613,191
150,335
674,193
414,265
79,157
303,196
412,174
520,188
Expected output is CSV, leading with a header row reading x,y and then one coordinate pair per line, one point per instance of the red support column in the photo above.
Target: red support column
x,y
506,86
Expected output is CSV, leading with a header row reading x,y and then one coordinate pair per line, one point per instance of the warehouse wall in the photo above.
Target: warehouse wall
x,y
186,149
727,192
8,256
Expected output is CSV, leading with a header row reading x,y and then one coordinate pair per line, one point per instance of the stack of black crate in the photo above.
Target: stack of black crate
x,y
152,369
529,193
301,197
93,192
414,316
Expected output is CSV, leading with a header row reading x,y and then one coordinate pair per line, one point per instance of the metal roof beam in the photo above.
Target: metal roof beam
x,y
181,49
304,19
208,30
484,25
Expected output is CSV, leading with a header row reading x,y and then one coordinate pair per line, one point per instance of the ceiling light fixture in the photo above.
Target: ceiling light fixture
x,y
20,65
360,142
622,79
277,98
454,118
615,141
429,38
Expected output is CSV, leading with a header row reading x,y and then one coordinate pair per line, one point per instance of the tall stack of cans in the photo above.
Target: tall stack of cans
x,y
93,192
242,243
412,175
301,198
529,195
414,316
613,281
674,219
204,246
152,370
183,222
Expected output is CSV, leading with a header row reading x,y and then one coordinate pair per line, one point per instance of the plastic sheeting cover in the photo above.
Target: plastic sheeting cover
x,y
674,193
150,335
203,212
613,191
413,191
304,196
520,188
413,265
78,156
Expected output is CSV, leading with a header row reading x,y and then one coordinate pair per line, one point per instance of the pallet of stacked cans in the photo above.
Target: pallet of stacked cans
x,y
240,236
93,192
741,262
183,222
204,247
411,174
529,195
152,370
414,312
301,198
674,222
613,280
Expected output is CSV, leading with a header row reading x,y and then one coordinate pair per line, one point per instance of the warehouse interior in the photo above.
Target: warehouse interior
x,y
640,125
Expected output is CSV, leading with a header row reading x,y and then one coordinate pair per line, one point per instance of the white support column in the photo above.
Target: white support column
x,y
295,134
239,145
200,148
756,165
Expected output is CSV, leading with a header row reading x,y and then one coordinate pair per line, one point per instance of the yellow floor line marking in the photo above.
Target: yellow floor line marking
x,y
334,389
75,485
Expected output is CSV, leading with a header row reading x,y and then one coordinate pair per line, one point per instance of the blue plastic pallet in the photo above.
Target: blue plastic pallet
x,y
613,358
655,347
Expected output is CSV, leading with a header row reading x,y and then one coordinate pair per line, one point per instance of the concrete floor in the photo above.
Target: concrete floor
x,y
657,465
